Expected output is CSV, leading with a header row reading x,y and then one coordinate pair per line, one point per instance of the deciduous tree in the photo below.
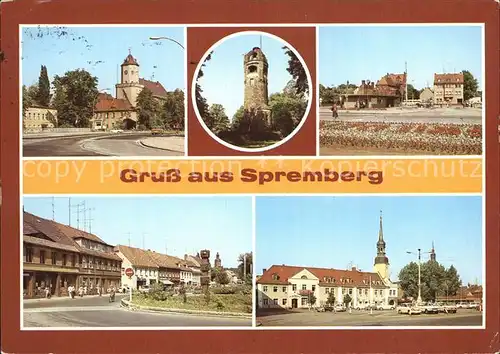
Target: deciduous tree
x,y
173,110
217,119
75,96
296,69
147,109
470,85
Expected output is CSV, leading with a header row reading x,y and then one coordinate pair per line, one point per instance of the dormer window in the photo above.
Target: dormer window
x,y
276,276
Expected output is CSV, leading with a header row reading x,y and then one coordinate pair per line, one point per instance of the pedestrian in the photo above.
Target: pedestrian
x,y
334,111
80,291
70,289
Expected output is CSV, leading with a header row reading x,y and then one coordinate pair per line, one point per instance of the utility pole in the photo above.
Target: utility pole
x,y
128,238
406,81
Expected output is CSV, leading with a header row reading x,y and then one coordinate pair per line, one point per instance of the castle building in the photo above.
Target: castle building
x,y
121,112
284,286
256,97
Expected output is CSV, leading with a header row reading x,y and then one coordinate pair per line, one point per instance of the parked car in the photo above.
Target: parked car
x,y
462,305
450,308
475,306
325,308
156,131
408,309
340,308
116,131
385,307
362,307
429,308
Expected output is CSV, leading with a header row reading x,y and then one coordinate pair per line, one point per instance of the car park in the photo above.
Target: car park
x,y
429,308
385,307
339,308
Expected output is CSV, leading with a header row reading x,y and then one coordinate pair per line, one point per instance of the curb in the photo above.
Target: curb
x,y
141,142
27,137
126,304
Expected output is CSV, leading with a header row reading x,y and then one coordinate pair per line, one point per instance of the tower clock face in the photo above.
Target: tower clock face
x,y
126,72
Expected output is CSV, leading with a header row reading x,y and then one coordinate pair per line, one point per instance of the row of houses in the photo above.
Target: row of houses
x,y
56,256
391,91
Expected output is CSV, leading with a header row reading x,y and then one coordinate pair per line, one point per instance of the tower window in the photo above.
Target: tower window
x,y
252,69
252,82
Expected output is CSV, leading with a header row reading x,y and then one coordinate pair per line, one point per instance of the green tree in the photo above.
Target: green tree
x,y
201,102
347,300
286,111
43,94
75,95
27,101
408,277
147,109
453,281
326,95
413,93
296,69
173,110
470,85
238,119
51,118
311,299
221,277
217,120
331,298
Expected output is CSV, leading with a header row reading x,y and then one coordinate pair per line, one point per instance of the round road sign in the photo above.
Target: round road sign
x,y
129,272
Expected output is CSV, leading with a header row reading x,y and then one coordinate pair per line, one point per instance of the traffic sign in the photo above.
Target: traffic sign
x,y
129,272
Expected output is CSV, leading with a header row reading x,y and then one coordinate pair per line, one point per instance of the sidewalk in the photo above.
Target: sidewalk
x,y
60,298
59,135
171,143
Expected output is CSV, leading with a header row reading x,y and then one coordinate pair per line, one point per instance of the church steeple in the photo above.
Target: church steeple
x,y
381,257
433,253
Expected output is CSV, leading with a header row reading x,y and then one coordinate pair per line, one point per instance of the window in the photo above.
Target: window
x,y
350,291
327,290
64,259
284,289
252,69
283,302
303,301
264,288
304,287
275,301
53,257
42,257
265,301
313,287
303,277
275,289
294,287
29,254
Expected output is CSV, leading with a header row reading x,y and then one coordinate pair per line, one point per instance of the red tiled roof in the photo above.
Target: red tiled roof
x,y
106,102
130,60
284,272
448,78
46,227
155,87
137,256
42,242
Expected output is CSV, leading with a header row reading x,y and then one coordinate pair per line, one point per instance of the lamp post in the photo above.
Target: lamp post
x,y
371,297
419,255
168,39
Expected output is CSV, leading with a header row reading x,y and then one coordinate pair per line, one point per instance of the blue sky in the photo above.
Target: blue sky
x,y
359,53
161,61
223,75
332,232
182,224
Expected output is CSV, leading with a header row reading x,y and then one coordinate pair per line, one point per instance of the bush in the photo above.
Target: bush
x,y
158,293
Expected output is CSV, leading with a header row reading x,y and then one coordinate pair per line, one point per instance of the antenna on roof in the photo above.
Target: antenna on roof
x,y
128,238
89,220
69,210
143,241
53,210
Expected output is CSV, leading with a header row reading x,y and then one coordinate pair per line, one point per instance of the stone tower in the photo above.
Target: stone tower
x,y
256,84
129,86
381,265
217,261
433,253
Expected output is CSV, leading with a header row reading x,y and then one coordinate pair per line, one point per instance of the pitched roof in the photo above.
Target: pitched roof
x,y
106,102
155,87
162,260
280,274
137,256
448,78
47,243
76,234
46,227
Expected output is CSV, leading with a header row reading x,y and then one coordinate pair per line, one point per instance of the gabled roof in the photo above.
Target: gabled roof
x,y
280,274
155,87
46,227
136,256
76,234
130,60
457,78
46,243
162,260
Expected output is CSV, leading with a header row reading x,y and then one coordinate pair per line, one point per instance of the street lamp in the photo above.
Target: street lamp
x,y
419,254
168,39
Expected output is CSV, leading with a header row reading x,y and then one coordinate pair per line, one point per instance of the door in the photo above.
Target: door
x,y
294,303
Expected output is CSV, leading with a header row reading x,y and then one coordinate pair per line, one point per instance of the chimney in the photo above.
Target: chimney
x,y
363,82
264,270
353,269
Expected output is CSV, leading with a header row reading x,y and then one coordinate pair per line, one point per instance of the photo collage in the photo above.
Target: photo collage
x,y
252,177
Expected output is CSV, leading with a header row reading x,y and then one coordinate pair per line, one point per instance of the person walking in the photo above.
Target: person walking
x,y
334,110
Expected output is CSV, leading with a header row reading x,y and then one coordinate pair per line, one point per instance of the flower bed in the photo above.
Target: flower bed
x,y
444,139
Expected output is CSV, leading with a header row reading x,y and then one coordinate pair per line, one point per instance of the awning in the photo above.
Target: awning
x,y
166,282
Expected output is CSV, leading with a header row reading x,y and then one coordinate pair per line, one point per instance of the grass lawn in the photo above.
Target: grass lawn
x,y
221,303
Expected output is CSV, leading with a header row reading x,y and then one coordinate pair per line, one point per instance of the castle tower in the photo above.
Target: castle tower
x,y
256,85
129,87
217,261
381,265
433,253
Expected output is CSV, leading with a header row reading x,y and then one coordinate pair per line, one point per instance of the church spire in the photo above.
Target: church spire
x,y
433,253
381,257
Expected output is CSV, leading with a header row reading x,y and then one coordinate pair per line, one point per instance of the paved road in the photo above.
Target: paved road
x,y
98,312
112,145
424,116
379,318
